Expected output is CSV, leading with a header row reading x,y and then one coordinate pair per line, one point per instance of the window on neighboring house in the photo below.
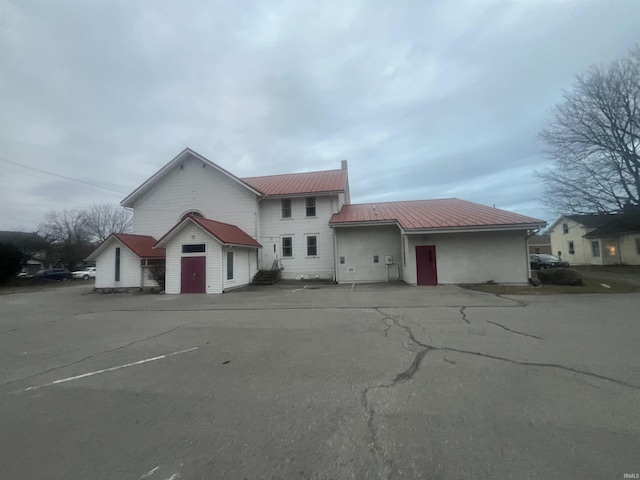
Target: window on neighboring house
x,y
196,248
595,248
117,275
376,259
311,206
286,208
312,246
565,228
341,260
638,246
287,246
571,249
229,265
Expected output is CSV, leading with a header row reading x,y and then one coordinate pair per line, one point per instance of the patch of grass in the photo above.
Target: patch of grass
x,y
591,285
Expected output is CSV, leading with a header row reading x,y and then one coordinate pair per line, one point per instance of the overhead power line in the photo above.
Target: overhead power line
x,y
28,167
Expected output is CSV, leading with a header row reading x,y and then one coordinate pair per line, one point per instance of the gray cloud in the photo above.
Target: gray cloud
x,y
425,99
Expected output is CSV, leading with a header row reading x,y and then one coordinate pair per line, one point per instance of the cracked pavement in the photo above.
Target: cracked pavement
x,y
374,382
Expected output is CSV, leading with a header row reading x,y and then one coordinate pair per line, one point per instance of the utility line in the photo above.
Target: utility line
x,y
61,176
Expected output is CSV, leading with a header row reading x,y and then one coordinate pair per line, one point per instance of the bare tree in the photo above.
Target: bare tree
x,y
103,219
593,141
66,233
66,226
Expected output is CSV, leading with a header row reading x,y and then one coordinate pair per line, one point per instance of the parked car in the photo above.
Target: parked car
x,y
86,274
54,274
543,261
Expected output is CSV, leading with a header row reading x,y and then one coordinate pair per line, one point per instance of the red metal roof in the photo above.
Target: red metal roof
x,y
225,233
141,245
300,183
437,214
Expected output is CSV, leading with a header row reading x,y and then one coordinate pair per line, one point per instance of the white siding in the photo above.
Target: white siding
x,y
358,246
193,187
242,274
130,270
192,234
273,227
473,257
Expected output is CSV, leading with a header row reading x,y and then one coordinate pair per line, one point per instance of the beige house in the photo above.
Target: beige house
x,y
598,239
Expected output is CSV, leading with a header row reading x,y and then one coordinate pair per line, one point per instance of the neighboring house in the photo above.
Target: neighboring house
x,y
598,239
218,231
30,243
540,244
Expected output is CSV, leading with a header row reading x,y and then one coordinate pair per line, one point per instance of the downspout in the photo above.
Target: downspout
x,y
526,249
335,255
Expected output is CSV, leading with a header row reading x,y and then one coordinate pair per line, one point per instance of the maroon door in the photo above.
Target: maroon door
x,y
193,275
426,265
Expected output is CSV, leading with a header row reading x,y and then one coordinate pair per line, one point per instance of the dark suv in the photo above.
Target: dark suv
x,y
54,274
542,261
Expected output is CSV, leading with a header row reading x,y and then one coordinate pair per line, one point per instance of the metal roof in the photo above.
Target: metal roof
x,y
225,233
432,214
141,245
300,183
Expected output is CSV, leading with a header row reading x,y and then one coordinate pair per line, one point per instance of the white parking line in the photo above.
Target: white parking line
x,y
150,472
68,379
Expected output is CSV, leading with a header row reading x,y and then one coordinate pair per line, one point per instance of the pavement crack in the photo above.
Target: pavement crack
x,y
514,331
413,368
464,315
88,357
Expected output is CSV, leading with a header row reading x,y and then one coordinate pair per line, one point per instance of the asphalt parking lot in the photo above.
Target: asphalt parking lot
x,y
319,382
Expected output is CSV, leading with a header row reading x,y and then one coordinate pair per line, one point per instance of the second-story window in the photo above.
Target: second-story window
x,y
311,206
565,228
286,208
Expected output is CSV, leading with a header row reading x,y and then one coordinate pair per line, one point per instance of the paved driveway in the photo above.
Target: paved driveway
x,y
322,382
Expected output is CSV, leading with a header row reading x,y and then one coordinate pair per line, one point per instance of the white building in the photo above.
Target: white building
x,y
216,231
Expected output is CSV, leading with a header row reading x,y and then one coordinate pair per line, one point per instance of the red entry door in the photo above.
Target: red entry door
x,y
426,265
193,275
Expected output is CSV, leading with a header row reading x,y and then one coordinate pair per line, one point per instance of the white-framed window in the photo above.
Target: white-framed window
x,y
286,208
287,247
312,245
595,248
565,228
311,206
572,249
117,265
229,265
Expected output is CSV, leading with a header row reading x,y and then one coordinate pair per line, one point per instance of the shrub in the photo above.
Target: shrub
x,y
560,276
11,258
157,273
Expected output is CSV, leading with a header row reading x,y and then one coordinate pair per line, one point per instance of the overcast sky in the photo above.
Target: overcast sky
x,y
425,99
